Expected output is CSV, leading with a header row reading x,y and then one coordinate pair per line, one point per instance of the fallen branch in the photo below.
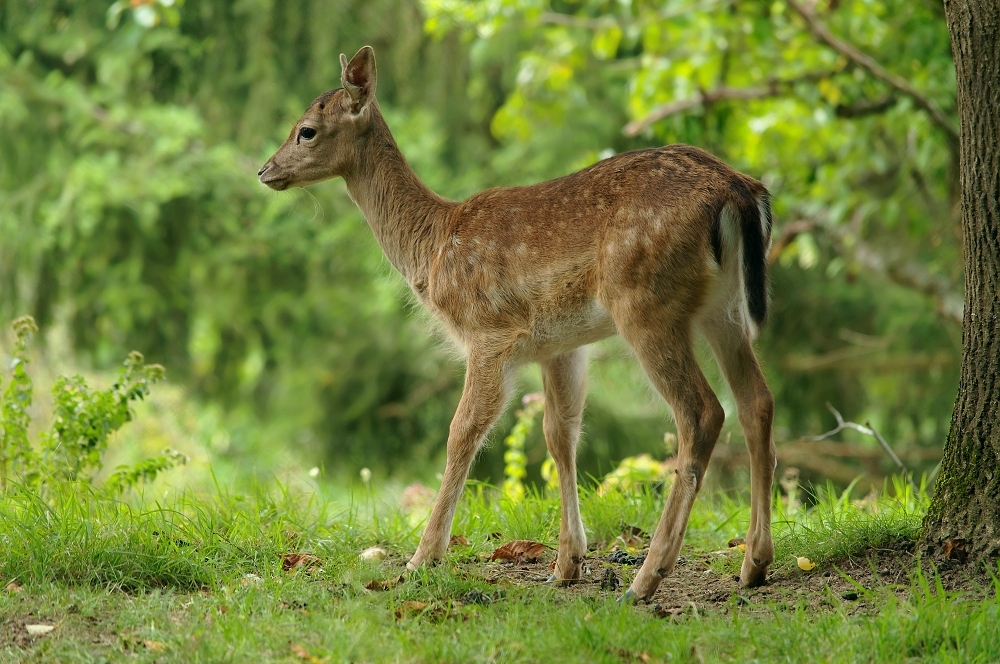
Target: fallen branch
x,y
866,62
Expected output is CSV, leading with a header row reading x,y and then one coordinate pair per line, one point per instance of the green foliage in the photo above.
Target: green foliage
x,y
138,222
83,421
575,81
15,449
515,461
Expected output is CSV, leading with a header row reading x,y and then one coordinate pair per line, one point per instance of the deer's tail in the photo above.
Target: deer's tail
x,y
745,228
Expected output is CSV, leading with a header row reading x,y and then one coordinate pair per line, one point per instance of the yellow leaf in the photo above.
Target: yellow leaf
x,y
804,563
742,547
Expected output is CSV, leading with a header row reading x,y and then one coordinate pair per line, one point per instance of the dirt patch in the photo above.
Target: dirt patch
x,y
14,631
699,582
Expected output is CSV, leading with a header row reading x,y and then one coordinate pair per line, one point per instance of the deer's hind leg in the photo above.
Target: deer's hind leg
x,y
731,344
564,378
662,341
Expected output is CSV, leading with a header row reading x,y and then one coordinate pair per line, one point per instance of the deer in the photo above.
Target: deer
x,y
655,245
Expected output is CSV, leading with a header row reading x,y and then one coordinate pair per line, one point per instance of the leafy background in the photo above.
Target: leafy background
x,y
130,215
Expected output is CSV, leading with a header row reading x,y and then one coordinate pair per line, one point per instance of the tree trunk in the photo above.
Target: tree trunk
x,y
964,517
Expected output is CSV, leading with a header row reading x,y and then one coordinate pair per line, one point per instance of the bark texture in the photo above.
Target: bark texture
x,y
964,516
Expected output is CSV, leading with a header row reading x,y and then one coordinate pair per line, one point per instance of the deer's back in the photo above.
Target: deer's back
x,y
546,258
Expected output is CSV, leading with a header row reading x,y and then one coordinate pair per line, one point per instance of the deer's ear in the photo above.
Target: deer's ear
x,y
358,77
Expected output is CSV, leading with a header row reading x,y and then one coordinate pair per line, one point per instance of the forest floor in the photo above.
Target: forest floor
x,y
261,578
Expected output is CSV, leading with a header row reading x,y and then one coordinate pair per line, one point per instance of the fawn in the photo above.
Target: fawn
x,y
652,244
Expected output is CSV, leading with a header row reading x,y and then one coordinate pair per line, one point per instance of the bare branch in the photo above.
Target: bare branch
x,y
574,21
774,88
867,430
865,107
607,21
950,305
866,62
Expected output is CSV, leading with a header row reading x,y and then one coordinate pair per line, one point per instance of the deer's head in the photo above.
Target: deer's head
x,y
324,143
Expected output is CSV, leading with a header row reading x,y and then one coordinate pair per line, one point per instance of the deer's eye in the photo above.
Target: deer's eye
x,y
307,133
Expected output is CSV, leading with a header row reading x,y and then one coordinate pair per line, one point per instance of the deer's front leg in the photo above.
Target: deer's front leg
x,y
483,398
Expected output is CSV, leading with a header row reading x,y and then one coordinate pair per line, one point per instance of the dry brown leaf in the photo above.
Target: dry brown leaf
x,y
292,560
458,540
302,653
408,608
379,584
155,646
14,587
736,541
520,551
954,549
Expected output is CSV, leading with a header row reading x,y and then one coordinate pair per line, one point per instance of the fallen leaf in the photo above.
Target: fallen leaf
x,y
954,549
250,579
742,547
155,646
804,563
14,587
38,630
736,541
292,560
374,553
380,584
408,608
458,540
304,654
521,551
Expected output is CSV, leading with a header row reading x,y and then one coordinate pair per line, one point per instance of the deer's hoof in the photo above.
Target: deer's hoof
x,y
628,598
556,581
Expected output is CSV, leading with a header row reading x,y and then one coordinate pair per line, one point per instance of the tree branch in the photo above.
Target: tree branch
x,y
867,430
865,107
950,305
774,88
867,63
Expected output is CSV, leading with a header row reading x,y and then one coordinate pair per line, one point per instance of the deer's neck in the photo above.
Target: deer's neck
x,y
405,215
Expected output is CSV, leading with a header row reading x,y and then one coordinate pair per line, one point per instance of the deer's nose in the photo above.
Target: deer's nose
x,y
263,168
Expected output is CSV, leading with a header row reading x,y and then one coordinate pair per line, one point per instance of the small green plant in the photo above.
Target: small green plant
x,y
83,421
15,450
515,461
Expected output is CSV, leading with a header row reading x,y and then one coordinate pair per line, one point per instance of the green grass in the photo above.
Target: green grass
x,y
200,579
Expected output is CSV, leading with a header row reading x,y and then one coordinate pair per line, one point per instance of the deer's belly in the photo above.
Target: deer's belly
x,y
562,331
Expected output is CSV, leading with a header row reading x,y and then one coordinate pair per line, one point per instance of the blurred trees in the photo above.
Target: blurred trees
x,y
130,215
